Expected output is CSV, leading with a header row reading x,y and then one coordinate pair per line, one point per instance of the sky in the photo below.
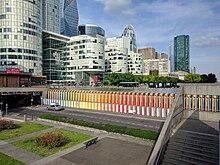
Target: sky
x,y
156,22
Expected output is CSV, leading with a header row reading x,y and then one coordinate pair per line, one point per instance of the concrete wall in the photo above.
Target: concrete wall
x,y
203,116
202,89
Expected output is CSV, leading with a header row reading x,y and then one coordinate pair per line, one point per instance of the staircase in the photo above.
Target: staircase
x,y
192,148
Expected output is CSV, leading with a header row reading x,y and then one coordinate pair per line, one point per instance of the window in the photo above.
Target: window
x,y
6,36
8,9
24,37
3,16
16,37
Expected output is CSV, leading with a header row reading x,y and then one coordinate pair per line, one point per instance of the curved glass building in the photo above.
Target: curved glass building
x,y
69,17
21,35
88,29
129,32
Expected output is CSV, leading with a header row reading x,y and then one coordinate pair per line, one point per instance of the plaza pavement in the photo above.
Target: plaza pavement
x,y
111,149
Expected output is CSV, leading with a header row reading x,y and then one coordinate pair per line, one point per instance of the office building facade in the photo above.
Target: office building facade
x,y
86,59
55,57
130,33
116,59
88,29
69,17
21,36
148,53
51,15
181,53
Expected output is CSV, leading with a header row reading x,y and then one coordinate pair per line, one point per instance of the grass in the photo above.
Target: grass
x,y
136,132
30,145
7,160
23,128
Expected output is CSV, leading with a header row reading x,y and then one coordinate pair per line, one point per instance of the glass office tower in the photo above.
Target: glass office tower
x,y
69,17
181,53
88,29
21,35
51,15
130,33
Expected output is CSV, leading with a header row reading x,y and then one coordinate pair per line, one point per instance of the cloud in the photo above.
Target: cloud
x,y
206,41
117,7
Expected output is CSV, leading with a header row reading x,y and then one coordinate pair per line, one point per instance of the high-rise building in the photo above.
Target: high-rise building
x,y
51,15
181,53
69,17
21,35
148,53
86,58
88,29
130,33
55,57
171,57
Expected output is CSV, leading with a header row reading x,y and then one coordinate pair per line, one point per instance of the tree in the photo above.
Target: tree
x,y
192,78
210,78
154,72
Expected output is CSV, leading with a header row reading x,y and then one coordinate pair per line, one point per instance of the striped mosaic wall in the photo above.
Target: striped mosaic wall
x,y
206,103
140,103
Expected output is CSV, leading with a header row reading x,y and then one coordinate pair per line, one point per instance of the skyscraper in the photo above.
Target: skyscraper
x,y
130,33
69,17
181,53
21,36
88,29
51,15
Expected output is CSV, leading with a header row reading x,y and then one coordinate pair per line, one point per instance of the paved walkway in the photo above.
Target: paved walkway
x,y
110,142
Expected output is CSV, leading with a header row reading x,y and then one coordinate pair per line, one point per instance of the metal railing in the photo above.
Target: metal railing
x,y
173,119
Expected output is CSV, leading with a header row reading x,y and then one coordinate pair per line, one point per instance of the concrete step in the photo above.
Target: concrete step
x,y
197,135
195,141
170,161
192,158
183,160
204,153
193,145
192,149
213,158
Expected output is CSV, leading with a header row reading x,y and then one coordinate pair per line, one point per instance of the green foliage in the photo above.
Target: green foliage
x,y
22,129
192,78
30,144
154,72
51,140
116,78
7,160
107,127
210,78
7,124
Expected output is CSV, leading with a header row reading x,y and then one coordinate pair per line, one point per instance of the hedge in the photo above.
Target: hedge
x,y
136,132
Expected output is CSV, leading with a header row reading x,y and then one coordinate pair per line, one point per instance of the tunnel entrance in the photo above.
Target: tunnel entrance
x,y
19,100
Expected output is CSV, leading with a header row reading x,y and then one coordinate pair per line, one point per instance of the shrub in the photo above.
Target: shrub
x,y
7,124
147,134
51,140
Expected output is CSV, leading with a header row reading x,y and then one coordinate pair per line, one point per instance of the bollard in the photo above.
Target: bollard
x,y
25,118
1,114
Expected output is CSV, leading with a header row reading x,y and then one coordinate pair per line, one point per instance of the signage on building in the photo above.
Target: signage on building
x,y
95,78
12,70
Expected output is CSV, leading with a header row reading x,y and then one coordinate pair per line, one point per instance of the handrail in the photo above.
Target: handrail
x,y
166,131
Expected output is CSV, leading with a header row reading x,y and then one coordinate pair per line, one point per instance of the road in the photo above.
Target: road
x,y
98,116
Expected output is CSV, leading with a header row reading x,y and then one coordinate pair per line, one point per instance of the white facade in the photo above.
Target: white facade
x,y
134,60
51,15
162,65
135,63
86,58
116,59
21,35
